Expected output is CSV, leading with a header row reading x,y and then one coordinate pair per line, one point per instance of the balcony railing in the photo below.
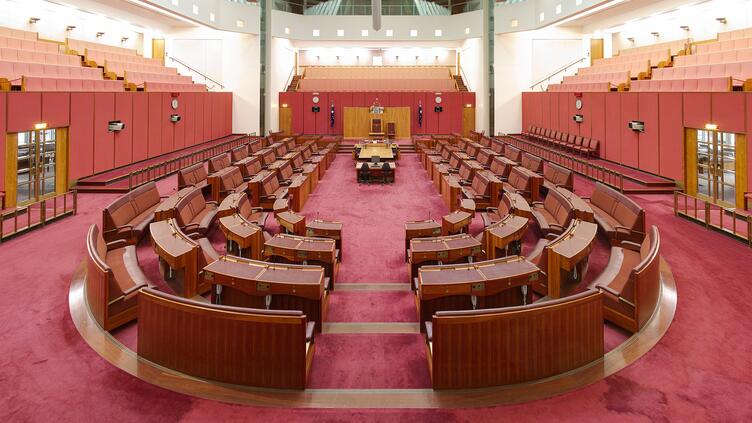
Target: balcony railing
x,y
36,215
730,221
409,8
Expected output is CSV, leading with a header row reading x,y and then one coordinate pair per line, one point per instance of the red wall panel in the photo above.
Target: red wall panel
x,y
322,117
228,113
140,126
728,112
359,100
564,116
586,127
81,136
451,114
208,112
748,119
671,136
649,149
123,140
432,123
547,102
630,145
696,109
574,127
554,111
598,118
179,127
155,124
3,112
199,114
104,140
168,128
309,119
611,143
189,116
24,110
217,115
56,109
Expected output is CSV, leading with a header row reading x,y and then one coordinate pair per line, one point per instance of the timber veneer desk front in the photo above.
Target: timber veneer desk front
x,y
166,209
292,222
420,229
485,284
331,229
386,151
581,208
376,168
444,249
566,252
456,222
305,250
239,232
179,252
243,282
502,235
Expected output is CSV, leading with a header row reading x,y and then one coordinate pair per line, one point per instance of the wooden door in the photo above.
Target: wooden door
x,y
285,120
468,120
158,49
596,49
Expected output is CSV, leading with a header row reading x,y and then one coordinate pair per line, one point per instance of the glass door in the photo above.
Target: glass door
x,y
716,167
36,165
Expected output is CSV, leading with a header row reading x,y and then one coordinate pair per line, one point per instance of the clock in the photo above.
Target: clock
x,y
315,99
437,100
578,104
174,104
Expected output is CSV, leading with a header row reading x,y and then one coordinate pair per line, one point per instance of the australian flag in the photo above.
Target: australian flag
x,y
331,115
420,114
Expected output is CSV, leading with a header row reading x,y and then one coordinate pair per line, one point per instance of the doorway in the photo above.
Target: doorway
x,y
36,165
716,170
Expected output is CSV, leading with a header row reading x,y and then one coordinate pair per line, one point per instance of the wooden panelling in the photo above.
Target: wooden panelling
x,y
56,109
230,345
24,110
671,136
285,120
649,148
358,121
62,153
155,124
468,120
696,110
630,141
3,157
517,345
727,112
11,168
140,127
612,135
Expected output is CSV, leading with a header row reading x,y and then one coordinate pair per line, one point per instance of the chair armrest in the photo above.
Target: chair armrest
x,y
552,236
116,244
285,182
537,203
190,225
556,225
130,227
631,245
213,202
492,210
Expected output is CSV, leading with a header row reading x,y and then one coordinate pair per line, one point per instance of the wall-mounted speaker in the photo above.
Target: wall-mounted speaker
x,y
578,118
315,109
637,126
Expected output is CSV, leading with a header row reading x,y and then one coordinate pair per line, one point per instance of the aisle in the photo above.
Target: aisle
x,y
373,245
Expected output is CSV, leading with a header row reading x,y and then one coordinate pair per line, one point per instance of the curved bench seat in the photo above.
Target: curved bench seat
x,y
129,216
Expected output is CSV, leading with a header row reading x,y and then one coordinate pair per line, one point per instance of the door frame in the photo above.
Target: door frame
x,y
11,166
740,166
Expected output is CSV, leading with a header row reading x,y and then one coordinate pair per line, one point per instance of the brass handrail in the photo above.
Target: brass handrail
x,y
39,210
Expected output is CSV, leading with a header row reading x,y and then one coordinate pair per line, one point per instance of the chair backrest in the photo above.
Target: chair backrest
x,y
231,179
376,125
189,206
513,153
269,185
628,213
531,162
192,175
251,167
480,184
391,128
518,179
558,175
219,162
239,153
558,206
285,172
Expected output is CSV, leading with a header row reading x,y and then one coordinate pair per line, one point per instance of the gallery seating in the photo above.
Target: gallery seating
x,y
563,141
113,280
31,56
237,345
193,176
532,163
219,162
556,176
620,218
40,83
18,34
511,345
120,68
128,217
7,41
717,84
553,214
519,182
630,282
194,214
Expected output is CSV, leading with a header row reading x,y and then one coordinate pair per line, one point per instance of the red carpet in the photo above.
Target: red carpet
x,y
372,306
700,371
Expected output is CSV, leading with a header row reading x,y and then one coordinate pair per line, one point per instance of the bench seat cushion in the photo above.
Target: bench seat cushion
x,y
615,276
127,275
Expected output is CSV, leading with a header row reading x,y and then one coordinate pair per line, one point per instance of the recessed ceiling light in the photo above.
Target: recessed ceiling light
x,y
174,2
363,32
195,9
240,23
514,23
542,17
316,32
413,32
558,9
467,30
389,33
212,17
578,2
287,30
340,32
437,33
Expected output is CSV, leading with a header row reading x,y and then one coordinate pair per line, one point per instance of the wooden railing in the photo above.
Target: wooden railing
x,y
727,220
168,167
590,170
36,215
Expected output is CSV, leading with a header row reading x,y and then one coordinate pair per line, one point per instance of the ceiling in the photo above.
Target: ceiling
x,y
127,11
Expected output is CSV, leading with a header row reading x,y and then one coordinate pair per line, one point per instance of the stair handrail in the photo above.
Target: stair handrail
x,y
192,69
564,69
464,78
290,77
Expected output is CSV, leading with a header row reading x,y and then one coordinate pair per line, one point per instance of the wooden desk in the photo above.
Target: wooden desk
x,y
305,250
498,238
326,229
467,205
582,210
244,239
566,252
485,284
166,209
520,206
385,150
420,229
180,253
298,192
292,222
242,282
443,250
280,205
375,169
535,183
456,222
451,192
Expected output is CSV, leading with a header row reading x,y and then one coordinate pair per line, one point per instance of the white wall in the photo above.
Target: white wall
x,y
282,64
229,57
521,59
475,76
406,55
